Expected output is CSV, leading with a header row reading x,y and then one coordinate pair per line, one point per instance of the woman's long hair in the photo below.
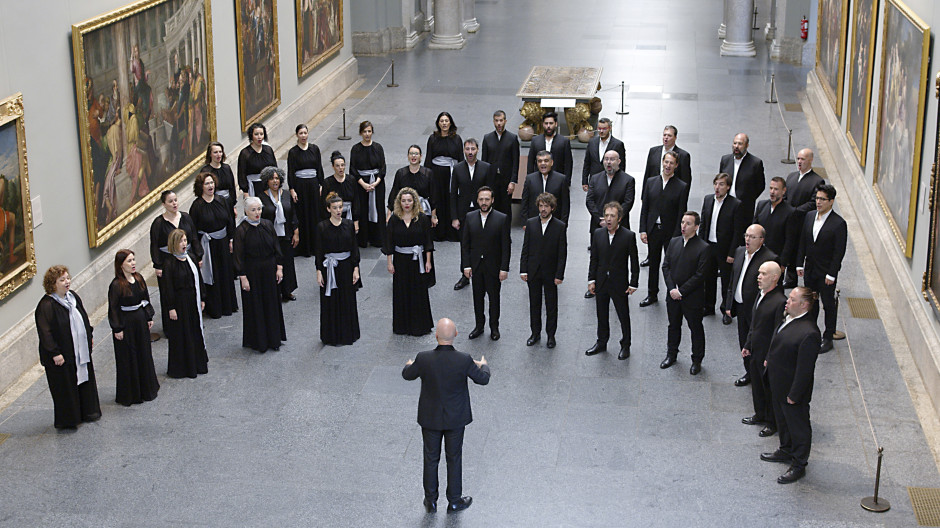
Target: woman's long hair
x,y
119,259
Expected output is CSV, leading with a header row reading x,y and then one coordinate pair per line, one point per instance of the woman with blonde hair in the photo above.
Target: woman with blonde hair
x,y
408,247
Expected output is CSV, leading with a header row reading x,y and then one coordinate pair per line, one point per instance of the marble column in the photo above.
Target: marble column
x,y
723,28
770,31
447,25
469,20
738,41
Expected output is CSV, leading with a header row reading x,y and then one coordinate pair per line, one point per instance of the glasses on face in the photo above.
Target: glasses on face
x,y
752,237
822,199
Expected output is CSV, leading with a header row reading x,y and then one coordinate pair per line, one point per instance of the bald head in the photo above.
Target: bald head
x,y
804,160
768,275
446,331
739,145
753,238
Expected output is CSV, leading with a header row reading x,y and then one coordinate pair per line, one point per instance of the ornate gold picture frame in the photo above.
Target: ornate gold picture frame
x,y
17,252
146,105
319,32
861,64
901,119
931,282
259,77
830,49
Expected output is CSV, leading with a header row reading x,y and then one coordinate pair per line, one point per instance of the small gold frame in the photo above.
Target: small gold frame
x,y
11,114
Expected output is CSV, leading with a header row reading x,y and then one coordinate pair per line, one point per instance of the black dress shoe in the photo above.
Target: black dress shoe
x,y
838,335
767,431
588,295
475,333
461,504
533,339
826,346
695,368
776,456
494,334
752,420
742,381
596,349
461,283
431,507
624,353
648,301
551,342
726,319
668,362
645,263
792,475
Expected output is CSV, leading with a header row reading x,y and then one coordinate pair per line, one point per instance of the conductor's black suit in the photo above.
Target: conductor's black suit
x,y
543,260
484,249
611,262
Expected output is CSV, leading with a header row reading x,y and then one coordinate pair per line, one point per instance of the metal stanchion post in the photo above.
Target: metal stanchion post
x,y
773,90
788,160
754,24
622,110
344,137
874,504
392,84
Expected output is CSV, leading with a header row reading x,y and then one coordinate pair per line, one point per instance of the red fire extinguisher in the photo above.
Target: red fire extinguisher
x,y
804,28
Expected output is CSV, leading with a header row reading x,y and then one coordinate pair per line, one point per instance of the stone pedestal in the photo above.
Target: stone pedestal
x,y
738,41
447,25
470,23
723,27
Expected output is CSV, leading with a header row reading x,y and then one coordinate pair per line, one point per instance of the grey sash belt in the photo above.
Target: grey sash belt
x,y
306,174
137,306
370,173
330,261
347,210
426,206
224,193
252,178
415,252
207,255
446,161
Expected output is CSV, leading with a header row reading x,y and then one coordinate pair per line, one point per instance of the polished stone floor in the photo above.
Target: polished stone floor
x,y
322,436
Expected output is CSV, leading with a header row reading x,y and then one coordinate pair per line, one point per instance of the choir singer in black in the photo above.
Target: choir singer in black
x,y
766,316
484,257
542,267
684,270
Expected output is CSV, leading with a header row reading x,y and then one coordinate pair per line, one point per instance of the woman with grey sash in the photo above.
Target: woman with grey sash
x,y
130,316
256,263
215,227
418,178
186,356
367,167
338,276
256,156
345,187
305,178
225,179
279,210
172,218
445,150
65,346
408,247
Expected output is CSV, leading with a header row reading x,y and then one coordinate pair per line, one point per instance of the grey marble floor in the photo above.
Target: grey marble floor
x,y
324,436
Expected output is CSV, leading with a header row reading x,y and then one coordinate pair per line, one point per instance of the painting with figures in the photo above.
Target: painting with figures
x,y
830,50
259,87
319,32
17,253
861,61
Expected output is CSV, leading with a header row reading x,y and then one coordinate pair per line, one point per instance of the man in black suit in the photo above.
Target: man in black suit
x,y
819,257
666,199
742,290
747,173
609,185
597,146
557,145
469,175
654,159
791,364
722,227
801,195
777,218
542,266
545,180
684,270
444,410
501,150
611,248
766,316
484,257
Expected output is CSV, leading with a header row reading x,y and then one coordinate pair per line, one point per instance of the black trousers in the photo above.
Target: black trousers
x,y
488,285
743,315
693,316
719,268
536,286
602,298
760,392
656,239
827,294
453,448
796,433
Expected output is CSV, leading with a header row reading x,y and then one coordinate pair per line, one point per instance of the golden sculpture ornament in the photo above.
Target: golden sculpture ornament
x,y
532,112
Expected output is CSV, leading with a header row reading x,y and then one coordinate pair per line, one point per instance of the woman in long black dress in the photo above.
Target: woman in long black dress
x,y
225,186
345,187
256,156
256,253
367,167
445,149
172,218
408,246
338,276
215,226
305,179
131,317
278,209
418,178
186,356
65,345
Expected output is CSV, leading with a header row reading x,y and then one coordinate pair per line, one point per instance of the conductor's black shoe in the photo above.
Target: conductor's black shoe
x,y
826,346
588,295
776,456
767,431
494,334
648,301
596,349
533,339
695,368
742,381
461,504
551,342
476,332
461,283
792,475
431,507
624,353
645,263
752,420
668,362
726,319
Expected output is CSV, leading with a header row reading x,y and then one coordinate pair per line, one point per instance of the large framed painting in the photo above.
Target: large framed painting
x,y
17,253
830,49
931,283
901,118
319,32
259,85
861,62
146,105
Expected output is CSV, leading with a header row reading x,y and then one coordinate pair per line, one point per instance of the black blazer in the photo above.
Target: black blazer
x,y
622,189
485,250
593,163
444,403
791,360
534,186
544,256
730,229
503,155
463,194
269,210
749,183
685,268
782,229
668,204
55,331
654,165
561,155
609,260
749,288
801,194
824,255
765,318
